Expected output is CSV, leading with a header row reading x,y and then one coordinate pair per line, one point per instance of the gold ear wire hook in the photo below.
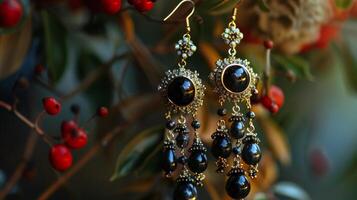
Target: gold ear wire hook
x,y
188,16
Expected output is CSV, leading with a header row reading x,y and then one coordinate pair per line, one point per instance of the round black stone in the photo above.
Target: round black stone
x,y
195,124
182,160
181,91
221,147
197,162
182,140
170,124
236,150
222,112
238,186
251,153
168,163
236,78
237,129
185,191
251,115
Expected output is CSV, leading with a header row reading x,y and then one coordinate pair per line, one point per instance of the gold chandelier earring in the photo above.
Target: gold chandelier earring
x,y
183,92
235,82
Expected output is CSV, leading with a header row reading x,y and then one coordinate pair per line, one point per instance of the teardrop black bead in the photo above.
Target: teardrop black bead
x,y
182,140
251,153
221,147
197,162
185,191
168,163
238,186
237,129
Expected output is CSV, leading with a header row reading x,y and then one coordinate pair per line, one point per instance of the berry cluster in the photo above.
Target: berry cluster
x,y
142,5
72,135
11,12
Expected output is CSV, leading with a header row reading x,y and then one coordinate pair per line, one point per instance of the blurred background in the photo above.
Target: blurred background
x,y
109,55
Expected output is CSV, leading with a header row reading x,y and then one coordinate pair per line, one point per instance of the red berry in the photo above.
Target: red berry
x,y
76,138
111,6
39,69
277,95
144,5
11,12
51,105
274,108
60,157
268,44
102,111
68,126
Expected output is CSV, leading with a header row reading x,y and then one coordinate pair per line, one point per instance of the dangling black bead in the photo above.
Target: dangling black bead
x,y
195,124
236,150
251,153
182,140
251,115
237,129
221,147
182,160
170,124
197,162
222,112
237,186
168,163
185,191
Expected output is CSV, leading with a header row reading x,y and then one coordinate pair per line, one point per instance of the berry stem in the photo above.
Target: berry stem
x,y
103,143
267,71
28,122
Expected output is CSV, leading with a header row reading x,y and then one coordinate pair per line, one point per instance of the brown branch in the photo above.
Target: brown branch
x,y
109,137
28,151
26,121
93,76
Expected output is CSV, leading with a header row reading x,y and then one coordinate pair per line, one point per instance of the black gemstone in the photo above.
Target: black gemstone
x,y
182,140
237,129
236,78
251,115
195,124
221,147
181,91
182,160
168,163
238,186
185,191
222,112
236,150
197,162
251,153
170,124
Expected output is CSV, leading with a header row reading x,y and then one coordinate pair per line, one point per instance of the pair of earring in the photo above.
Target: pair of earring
x,y
235,82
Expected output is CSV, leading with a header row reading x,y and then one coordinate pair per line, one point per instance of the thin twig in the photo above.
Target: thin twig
x,y
28,122
28,151
109,137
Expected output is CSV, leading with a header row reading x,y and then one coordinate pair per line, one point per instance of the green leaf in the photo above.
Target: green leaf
x,y
296,64
221,7
289,190
344,50
344,4
263,5
55,46
138,152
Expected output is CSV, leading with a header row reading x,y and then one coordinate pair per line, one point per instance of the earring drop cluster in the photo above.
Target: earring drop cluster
x,y
183,150
235,82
